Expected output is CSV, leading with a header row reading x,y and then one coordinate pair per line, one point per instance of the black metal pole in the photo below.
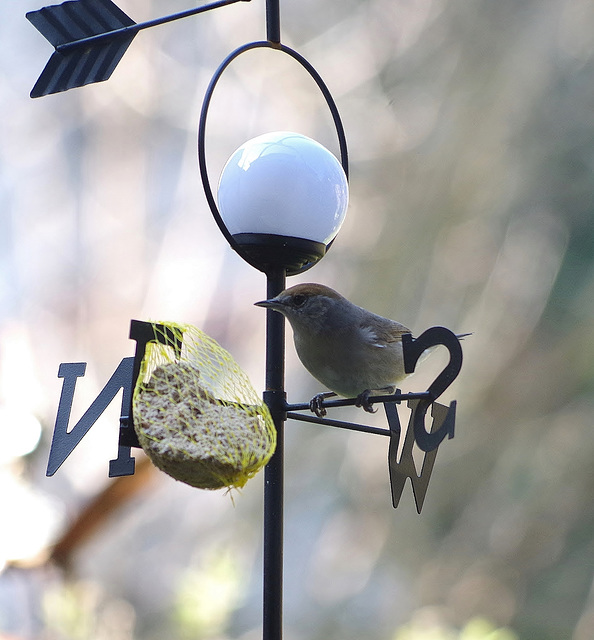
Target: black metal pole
x,y
274,397
273,21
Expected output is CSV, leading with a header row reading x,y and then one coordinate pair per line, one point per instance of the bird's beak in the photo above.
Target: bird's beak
x,y
273,303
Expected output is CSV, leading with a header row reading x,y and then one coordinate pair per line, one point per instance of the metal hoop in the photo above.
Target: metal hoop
x,y
202,134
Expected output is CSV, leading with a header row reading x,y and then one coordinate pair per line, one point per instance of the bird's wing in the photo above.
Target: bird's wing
x,y
382,332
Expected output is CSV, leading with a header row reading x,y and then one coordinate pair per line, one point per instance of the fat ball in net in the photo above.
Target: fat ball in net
x,y
195,412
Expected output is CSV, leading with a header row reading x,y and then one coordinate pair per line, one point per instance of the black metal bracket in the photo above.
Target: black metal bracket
x,y
143,333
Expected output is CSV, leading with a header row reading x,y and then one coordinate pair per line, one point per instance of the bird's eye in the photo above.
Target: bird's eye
x,y
299,300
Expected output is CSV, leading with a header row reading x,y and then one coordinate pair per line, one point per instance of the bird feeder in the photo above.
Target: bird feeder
x,y
281,201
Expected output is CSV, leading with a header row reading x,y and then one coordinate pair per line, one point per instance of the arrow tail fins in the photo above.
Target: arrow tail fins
x,y
77,19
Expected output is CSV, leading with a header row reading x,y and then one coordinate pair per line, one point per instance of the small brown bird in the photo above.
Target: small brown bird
x,y
350,350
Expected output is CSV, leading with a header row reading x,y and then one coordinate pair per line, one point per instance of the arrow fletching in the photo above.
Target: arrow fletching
x,y
87,62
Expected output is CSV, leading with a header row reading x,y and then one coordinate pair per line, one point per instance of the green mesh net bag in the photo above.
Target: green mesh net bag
x,y
195,412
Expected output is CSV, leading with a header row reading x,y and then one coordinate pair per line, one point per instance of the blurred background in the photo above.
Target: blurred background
x,y
471,138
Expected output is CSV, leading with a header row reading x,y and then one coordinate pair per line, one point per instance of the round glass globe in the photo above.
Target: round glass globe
x,y
283,184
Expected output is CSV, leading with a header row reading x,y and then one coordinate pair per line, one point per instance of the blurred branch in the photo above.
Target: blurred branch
x,y
99,511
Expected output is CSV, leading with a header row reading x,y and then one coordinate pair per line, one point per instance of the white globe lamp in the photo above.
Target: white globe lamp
x,y
283,197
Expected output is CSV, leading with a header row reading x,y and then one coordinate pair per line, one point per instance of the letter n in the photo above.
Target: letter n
x,y
65,441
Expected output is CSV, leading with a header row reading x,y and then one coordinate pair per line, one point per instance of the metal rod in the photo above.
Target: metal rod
x,y
273,21
353,426
133,29
349,402
274,471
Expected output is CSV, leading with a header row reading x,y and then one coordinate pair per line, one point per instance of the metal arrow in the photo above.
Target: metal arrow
x,y
90,37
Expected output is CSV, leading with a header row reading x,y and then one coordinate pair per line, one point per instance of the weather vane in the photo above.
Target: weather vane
x,y
285,226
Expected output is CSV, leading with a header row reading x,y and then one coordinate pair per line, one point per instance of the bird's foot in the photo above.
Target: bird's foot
x,y
363,401
316,404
